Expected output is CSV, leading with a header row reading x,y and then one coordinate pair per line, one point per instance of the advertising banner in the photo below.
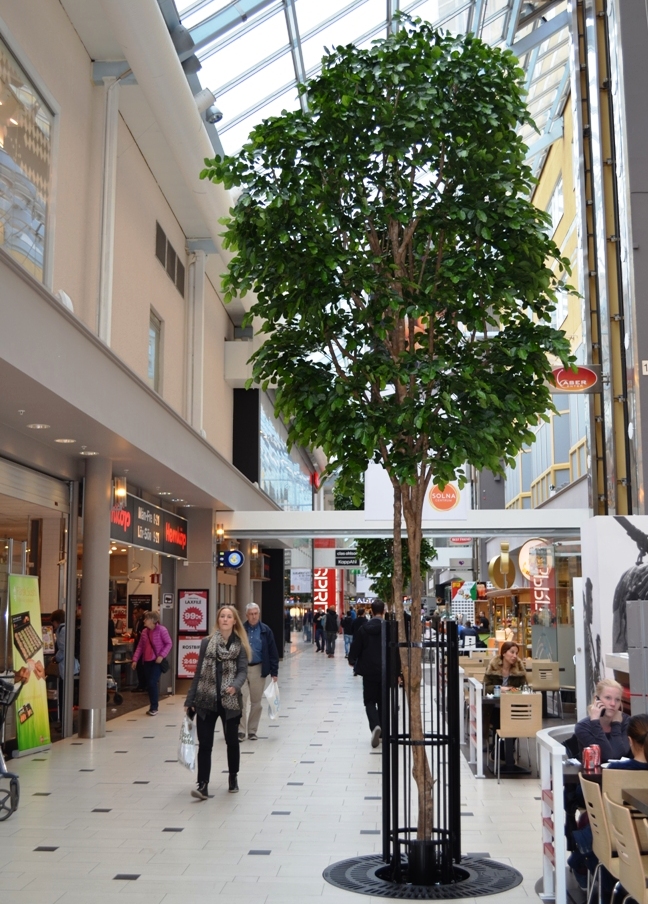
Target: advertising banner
x,y
188,653
301,580
192,611
32,718
150,527
324,587
449,504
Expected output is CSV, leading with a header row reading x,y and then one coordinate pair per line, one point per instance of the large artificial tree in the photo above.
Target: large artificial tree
x,y
404,281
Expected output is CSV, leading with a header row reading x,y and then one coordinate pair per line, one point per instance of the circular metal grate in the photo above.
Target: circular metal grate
x,y
476,877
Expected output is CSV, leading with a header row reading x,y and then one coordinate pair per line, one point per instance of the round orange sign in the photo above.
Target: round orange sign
x,y
579,381
444,500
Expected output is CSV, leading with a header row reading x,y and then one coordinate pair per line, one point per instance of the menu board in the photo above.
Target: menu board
x,y
188,653
192,611
146,525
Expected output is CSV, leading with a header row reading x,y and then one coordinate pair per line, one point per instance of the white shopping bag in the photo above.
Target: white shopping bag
x,y
187,746
271,693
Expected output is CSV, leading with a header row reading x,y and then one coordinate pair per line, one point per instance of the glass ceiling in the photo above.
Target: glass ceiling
x,y
253,52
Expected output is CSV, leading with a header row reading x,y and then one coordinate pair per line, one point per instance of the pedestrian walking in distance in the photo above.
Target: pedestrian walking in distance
x,y
365,656
318,621
264,661
154,645
347,632
331,629
216,691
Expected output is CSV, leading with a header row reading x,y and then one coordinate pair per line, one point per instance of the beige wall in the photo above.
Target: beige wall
x,y
49,49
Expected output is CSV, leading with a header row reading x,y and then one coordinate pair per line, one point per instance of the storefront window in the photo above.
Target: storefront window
x,y
283,475
25,150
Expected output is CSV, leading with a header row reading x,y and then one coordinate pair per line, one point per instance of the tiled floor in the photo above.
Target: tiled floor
x,y
109,802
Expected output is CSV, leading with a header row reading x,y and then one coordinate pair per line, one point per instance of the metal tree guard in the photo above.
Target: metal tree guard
x,y
430,860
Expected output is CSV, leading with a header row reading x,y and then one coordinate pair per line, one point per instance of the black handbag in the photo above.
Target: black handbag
x,y
164,666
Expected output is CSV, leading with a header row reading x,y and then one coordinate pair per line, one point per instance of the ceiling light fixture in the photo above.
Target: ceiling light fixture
x,y
87,452
38,426
65,441
165,493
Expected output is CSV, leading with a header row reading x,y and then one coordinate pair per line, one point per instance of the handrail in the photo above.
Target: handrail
x,y
554,849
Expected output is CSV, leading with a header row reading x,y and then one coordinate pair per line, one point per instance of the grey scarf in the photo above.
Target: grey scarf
x,y
207,692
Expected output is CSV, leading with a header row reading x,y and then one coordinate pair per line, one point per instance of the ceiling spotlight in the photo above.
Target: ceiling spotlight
x,y
213,114
165,493
38,426
87,452
177,500
65,441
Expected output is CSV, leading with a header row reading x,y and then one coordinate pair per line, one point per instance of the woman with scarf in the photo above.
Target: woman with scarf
x,y
216,691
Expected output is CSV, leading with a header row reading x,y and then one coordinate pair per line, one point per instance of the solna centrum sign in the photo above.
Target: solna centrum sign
x,y
444,500
584,379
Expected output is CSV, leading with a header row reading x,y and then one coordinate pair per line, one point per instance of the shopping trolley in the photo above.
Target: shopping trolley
x,y
9,795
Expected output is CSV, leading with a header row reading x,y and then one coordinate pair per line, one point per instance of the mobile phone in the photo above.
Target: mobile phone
x,y
602,713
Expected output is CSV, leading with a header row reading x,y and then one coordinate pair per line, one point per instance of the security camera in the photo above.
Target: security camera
x,y
213,114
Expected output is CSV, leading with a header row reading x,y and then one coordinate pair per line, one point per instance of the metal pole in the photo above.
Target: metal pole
x,y
452,716
67,715
386,740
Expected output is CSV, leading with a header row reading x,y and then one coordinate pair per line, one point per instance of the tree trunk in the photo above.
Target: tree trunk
x,y
413,511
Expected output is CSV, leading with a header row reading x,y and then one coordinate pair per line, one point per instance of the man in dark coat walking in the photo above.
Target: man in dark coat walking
x,y
365,656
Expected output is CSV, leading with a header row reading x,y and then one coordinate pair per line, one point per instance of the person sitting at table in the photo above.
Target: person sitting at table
x,y
638,741
505,670
606,725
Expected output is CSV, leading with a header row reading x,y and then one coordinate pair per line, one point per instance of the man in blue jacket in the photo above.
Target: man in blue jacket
x,y
264,662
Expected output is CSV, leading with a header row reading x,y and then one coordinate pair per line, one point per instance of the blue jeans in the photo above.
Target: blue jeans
x,y
319,639
151,681
347,643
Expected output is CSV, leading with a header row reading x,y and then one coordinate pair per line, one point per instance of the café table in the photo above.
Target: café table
x,y
637,798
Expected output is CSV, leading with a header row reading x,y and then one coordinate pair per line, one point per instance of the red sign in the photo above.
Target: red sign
x,y
324,587
460,541
188,653
543,586
444,500
583,379
192,611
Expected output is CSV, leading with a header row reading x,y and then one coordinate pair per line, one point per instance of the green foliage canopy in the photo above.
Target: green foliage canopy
x,y
403,279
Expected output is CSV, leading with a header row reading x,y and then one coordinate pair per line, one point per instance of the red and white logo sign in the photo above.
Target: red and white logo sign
x,y
580,380
324,587
460,541
192,611
444,500
188,653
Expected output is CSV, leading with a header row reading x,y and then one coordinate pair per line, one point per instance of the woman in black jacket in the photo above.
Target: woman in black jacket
x,y
216,691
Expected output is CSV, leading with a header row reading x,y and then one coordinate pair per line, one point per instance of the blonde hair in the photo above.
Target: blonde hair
x,y
606,682
238,629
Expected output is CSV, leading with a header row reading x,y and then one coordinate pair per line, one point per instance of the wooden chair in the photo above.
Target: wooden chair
x,y
602,845
545,677
633,868
614,781
520,717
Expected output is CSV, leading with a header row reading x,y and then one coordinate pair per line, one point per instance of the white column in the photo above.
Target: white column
x,y
108,194
196,340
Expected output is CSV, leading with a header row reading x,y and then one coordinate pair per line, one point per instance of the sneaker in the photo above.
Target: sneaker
x,y
151,712
241,735
201,791
375,736
233,784
252,736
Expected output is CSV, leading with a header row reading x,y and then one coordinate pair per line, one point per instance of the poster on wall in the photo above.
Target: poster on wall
x,y
192,611
32,718
324,587
615,570
143,600
301,580
188,653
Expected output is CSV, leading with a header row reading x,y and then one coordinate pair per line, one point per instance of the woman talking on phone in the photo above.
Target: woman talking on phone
x,y
606,724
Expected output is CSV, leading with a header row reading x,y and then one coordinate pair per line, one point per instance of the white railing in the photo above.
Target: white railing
x,y
554,848
475,731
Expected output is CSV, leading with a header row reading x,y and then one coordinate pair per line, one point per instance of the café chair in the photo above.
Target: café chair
x,y
614,781
633,868
545,677
520,717
602,845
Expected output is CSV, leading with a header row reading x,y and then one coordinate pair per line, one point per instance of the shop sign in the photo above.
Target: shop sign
x,y
347,558
582,379
192,611
167,601
230,558
542,579
444,500
460,541
32,717
149,527
324,587
188,653
301,580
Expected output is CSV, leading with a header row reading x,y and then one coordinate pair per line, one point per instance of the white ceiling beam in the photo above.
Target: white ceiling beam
x,y
546,140
540,34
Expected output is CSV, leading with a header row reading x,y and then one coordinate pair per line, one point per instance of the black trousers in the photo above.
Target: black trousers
x,y
372,698
205,731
